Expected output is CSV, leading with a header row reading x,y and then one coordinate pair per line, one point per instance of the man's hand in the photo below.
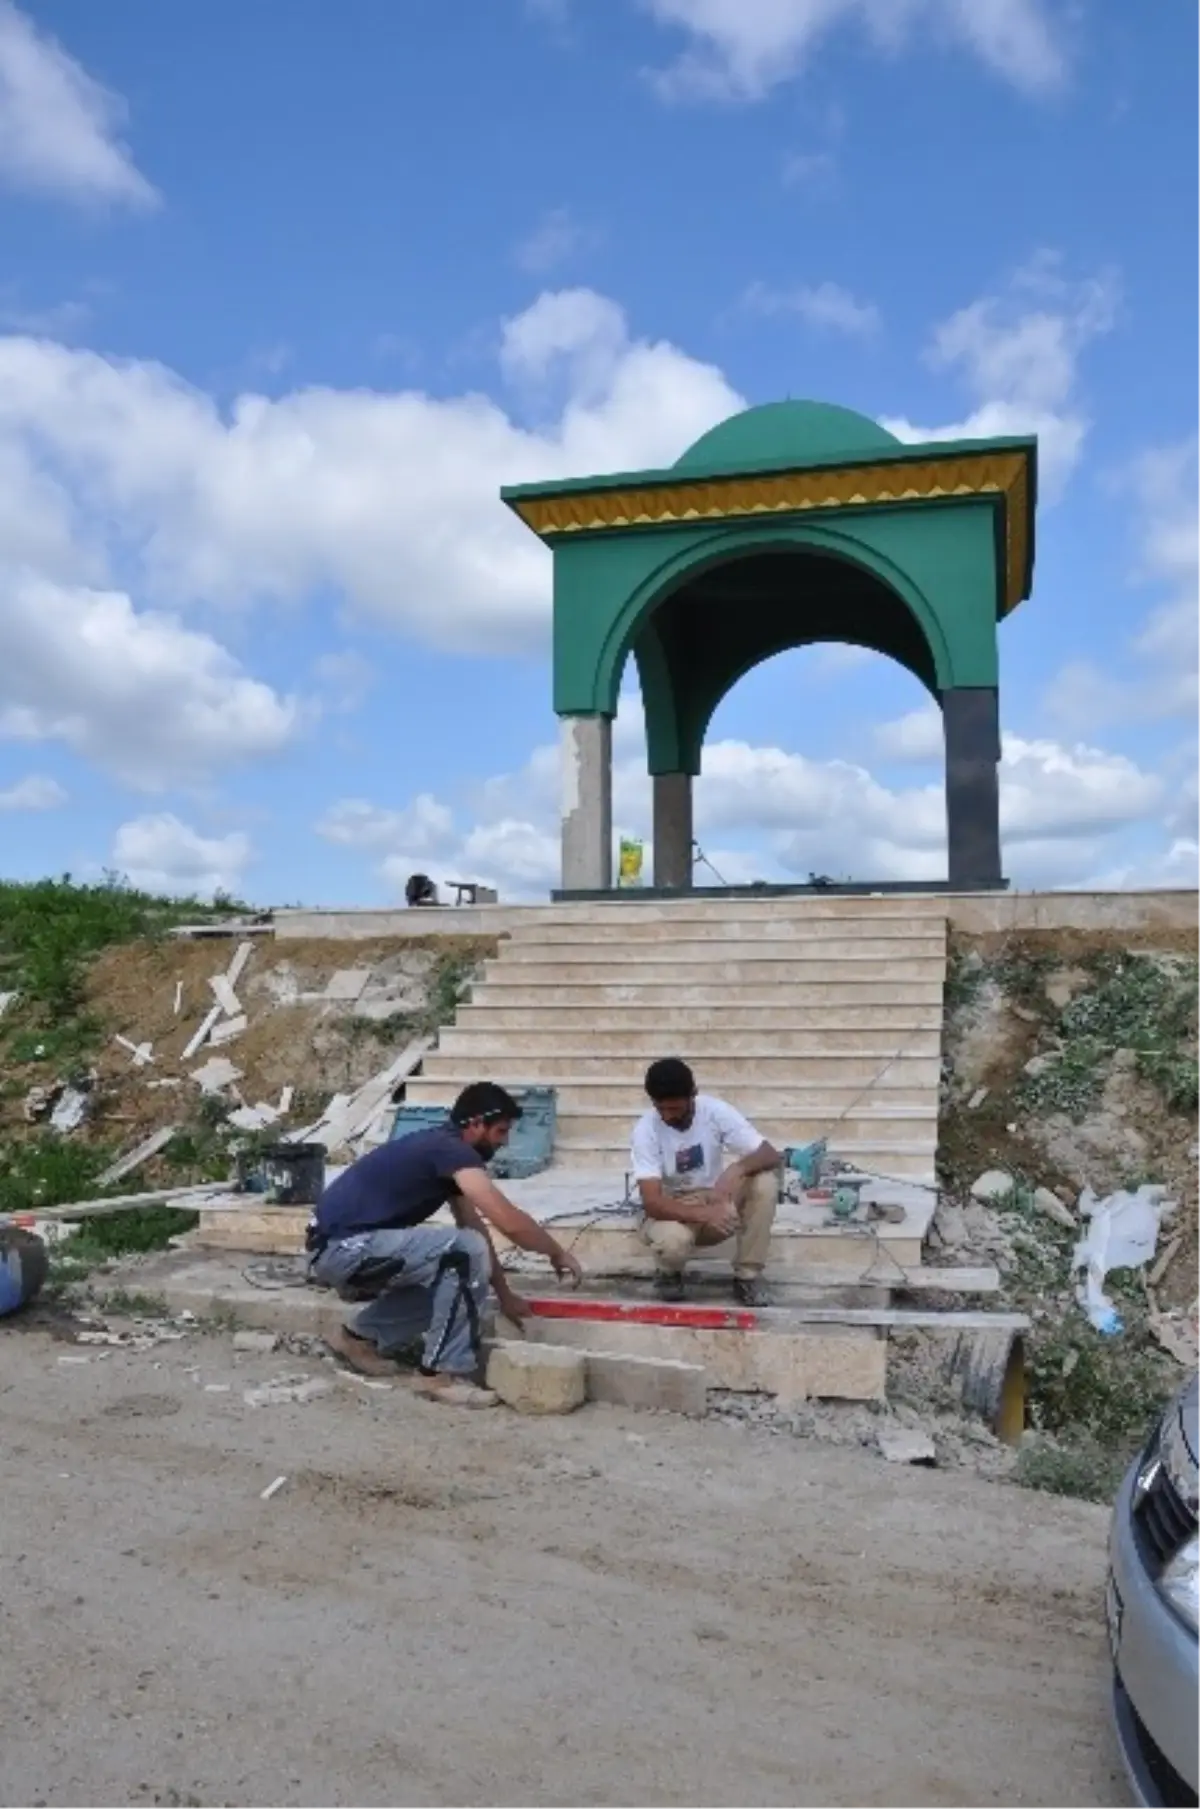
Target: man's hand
x,y
722,1215
567,1267
513,1306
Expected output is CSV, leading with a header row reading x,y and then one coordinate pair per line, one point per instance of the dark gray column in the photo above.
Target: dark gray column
x,y
673,830
971,722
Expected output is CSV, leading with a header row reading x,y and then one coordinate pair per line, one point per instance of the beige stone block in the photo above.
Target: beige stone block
x,y
537,1378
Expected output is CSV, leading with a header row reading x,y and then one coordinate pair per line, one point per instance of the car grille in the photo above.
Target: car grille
x,y
1173,1791
1163,1522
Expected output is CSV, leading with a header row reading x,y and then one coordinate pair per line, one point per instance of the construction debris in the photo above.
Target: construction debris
x,y
71,1109
242,954
905,1445
217,1073
288,1391
201,1036
1052,1207
126,1164
142,1053
347,984
345,1119
226,1031
225,996
273,1488
178,997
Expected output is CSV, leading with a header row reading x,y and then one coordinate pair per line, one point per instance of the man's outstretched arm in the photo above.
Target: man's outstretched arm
x,y
479,1192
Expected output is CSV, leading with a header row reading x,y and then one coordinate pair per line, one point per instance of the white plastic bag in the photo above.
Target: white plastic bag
x,y
1122,1233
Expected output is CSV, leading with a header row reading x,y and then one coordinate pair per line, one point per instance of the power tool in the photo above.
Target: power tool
x,y
820,1173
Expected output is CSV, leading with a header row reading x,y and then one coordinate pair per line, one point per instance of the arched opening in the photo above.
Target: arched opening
x,y
704,633
822,764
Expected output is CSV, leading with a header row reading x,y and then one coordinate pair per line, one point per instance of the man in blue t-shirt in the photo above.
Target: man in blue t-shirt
x,y
369,1239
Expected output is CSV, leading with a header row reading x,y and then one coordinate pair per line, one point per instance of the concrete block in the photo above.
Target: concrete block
x,y
847,1363
906,1445
654,1383
536,1378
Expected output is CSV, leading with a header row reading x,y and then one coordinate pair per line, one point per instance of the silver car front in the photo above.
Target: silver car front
x,y
1152,1610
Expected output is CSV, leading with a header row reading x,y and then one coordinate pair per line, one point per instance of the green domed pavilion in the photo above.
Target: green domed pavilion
x,y
787,525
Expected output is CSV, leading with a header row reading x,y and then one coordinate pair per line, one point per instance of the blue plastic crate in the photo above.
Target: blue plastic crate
x,y
529,1150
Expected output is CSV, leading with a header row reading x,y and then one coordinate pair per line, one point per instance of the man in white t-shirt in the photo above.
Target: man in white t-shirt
x,y
689,1196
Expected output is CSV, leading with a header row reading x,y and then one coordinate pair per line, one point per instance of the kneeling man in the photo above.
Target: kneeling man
x,y
687,1197
369,1239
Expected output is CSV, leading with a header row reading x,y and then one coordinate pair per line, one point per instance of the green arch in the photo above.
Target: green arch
x,y
725,546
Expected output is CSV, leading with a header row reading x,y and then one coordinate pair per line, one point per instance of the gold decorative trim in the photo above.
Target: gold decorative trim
x,y
785,492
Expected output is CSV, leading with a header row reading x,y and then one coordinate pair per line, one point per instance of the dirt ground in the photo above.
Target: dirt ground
x,y
480,1609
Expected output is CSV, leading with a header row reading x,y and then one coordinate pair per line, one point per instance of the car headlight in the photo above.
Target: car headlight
x,y
1180,1582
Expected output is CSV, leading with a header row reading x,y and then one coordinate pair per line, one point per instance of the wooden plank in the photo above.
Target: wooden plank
x,y
334,1130
126,1164
125,1202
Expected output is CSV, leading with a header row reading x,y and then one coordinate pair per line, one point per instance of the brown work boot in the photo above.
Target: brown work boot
x,y
359,1354
454,1391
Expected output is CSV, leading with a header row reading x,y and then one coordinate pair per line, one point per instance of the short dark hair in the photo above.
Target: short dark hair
x,y
484,1099
670,1079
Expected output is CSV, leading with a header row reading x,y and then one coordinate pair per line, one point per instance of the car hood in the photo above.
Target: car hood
x,y
1187,1415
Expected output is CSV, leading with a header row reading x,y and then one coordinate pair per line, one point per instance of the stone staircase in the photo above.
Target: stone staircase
x,y
816,1017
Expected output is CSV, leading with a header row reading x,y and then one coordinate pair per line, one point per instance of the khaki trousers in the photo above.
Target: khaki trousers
x,y
757,1200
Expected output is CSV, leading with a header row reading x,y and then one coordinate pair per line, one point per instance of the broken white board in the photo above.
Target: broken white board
x,y
178,997
285,1101
225,996
242,954
141,1052
226,1030
201,1035
126,1164
216,1073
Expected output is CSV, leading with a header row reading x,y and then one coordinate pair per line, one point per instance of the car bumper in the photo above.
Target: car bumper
x,y
1155,1685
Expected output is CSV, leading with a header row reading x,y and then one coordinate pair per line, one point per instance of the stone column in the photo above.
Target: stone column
x,y
971,721
586,803
673,830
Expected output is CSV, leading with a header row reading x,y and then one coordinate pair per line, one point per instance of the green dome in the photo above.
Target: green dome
x,y
807,433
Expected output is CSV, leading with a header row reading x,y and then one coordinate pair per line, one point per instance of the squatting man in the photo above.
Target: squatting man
x,y
370,1240
688,1197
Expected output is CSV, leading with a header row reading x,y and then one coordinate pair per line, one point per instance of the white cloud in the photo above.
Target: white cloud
x,y
765,813
740,49
59,128
345,678
1159,680
161,854
143,696
388,498
35,792
825,306
554,241
1018,356
917,737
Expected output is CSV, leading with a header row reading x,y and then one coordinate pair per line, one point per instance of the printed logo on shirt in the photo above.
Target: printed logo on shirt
x,y
688,1161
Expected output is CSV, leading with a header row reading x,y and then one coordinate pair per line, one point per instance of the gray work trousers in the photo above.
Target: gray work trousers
x,y
429,1282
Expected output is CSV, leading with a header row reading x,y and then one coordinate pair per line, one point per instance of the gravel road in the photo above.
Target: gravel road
x,y
478,1609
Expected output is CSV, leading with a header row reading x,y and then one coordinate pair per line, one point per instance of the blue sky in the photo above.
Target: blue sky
x,y
288,292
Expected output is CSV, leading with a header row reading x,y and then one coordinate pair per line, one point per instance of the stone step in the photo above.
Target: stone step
x,y
740,963
706,1027
621,952
612,1123
752,1094
459,1050
508,986
907,907
633,928
912,1159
